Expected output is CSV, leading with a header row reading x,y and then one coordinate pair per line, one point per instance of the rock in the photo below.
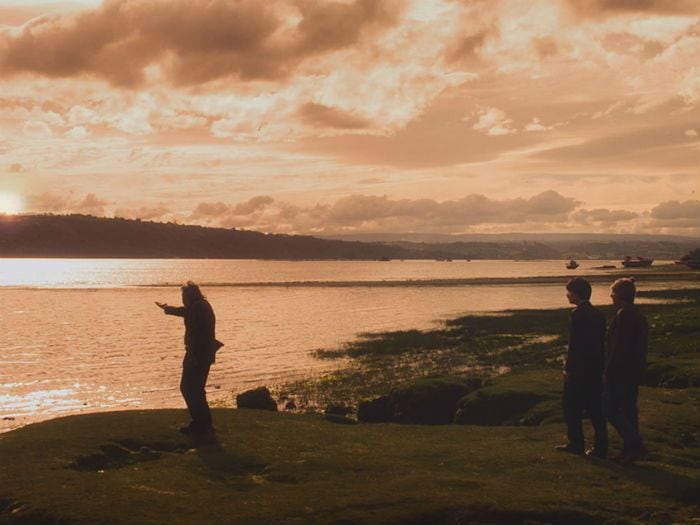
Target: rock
x,y
374,410
494,408
258,398
290,405
430,401
338,410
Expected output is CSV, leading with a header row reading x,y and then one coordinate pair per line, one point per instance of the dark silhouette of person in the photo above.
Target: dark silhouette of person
x,y
583,372
200,352
625,369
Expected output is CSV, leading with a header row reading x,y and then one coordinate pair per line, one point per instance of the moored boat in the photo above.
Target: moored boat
x,y
637,262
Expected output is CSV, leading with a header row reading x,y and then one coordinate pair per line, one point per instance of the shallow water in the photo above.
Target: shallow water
x,y
84,335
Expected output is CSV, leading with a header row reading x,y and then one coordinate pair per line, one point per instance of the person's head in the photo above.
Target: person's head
x,y
623,291
191,293
578,290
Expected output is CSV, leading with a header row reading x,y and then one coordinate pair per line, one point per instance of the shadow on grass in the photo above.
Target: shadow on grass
x,y
222,465
677,487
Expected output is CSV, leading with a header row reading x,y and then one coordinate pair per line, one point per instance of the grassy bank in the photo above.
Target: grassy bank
x,y
134,467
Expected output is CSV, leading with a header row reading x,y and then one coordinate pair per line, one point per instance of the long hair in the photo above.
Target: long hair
x,y
191,293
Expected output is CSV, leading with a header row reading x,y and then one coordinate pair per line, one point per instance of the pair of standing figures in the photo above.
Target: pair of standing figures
x,y
604,389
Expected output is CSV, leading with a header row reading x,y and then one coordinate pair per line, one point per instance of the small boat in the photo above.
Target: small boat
x,y
572,265
637,262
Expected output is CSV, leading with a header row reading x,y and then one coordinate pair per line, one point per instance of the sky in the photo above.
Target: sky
x,y
355,116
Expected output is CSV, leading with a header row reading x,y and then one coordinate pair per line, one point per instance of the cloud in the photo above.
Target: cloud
x,y
16,168
78,132
689,209
617,7
148,213
382,213
37,129
536,125
209,210
493,122
691,133
189,41
238,214
602,216
466,48
319,115
253,205
90,204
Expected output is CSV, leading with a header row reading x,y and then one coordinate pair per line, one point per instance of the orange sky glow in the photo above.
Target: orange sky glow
x,y
347,116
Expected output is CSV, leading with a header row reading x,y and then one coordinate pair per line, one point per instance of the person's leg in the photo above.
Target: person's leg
x,y
636,449
615,401
194,379
573,408
600,425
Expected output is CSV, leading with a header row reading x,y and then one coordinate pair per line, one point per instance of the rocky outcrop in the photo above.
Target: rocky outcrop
x,y
258,398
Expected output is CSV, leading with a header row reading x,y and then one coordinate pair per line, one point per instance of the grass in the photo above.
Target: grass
x,y
134,467
285,468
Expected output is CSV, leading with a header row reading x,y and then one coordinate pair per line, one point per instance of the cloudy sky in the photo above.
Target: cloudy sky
x,y
310,116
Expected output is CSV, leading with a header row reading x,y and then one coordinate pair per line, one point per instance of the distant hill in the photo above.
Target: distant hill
x,y
87,236
441,238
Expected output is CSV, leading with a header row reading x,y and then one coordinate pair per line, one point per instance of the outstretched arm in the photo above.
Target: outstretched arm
x,y
172,310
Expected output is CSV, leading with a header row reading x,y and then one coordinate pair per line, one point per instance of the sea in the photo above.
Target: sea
x,y
84,335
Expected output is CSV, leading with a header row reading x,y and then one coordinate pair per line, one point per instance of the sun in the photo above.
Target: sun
x,y
10,203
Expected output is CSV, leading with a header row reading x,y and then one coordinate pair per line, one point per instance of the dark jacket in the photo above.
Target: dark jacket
x,y
585,358
627,347
200,325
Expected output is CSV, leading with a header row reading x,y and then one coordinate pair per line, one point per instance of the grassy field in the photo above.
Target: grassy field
x,y
134,467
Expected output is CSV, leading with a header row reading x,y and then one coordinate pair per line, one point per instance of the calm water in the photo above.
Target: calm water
x,y
83,335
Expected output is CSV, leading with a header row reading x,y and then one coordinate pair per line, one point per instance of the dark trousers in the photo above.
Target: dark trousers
x,y
194,379
578,399
620,405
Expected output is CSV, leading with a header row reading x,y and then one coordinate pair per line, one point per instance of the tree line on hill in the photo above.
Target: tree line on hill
x,y
88,236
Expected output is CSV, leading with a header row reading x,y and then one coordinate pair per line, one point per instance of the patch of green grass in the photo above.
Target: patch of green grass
x,y
283,468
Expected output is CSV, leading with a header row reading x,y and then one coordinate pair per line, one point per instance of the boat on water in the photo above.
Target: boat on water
x,y
637,262
572,265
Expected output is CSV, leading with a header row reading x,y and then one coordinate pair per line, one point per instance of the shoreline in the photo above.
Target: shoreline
x,y
653,276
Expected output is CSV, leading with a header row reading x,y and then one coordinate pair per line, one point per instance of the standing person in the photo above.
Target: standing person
x,y
624,372
583,372
200,349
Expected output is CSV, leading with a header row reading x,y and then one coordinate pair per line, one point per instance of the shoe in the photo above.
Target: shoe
x,y
187,429
596,453
571,449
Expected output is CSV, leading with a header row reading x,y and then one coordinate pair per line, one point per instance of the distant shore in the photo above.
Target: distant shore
x,y
667,273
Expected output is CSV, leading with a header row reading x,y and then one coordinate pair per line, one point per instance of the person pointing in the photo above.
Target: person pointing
x,y
200,352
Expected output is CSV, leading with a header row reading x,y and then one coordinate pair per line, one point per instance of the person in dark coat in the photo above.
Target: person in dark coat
x,y
625,369
200,351
583,372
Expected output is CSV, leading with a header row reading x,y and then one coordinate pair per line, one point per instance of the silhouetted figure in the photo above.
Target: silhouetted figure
x,y
624,372
200,350
583,372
